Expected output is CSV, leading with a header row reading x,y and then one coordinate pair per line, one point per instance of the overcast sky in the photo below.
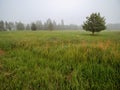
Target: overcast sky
x,y
71,11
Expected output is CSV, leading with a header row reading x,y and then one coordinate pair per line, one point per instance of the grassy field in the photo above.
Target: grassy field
x,y
59,60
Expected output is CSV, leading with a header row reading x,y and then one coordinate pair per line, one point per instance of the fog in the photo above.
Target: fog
x,y
71,11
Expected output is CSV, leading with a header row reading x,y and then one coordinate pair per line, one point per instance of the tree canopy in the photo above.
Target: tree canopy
x,y
1,26
94,23
33,27
37,25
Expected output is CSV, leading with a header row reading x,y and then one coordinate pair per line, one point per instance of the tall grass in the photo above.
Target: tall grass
x,y
59,60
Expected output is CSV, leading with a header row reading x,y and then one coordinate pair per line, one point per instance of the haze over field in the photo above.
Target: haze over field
x,y
51,45
71,11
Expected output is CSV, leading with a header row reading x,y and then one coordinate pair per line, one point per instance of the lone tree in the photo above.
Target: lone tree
x,y
94,23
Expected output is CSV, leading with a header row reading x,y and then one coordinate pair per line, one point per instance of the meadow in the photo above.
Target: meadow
x,y
59,60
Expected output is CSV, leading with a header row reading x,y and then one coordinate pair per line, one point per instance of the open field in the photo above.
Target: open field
x,y
59,60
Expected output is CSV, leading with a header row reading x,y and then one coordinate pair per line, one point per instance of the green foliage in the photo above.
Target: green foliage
x,y
33,27
28,27
59,60
2,26
94,23
10,26
50,26
20,26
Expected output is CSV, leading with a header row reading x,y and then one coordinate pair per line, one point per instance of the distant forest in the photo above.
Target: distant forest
x,y
113,26
47,25
37,25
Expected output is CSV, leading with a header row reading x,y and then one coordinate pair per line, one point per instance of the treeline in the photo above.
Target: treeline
x,y
115,26
37,25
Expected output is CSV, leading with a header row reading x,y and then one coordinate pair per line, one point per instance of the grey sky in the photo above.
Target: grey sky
x,y
71,11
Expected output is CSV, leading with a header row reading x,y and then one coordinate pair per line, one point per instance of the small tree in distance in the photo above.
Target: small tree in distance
x,y
33,27
94,23
50,26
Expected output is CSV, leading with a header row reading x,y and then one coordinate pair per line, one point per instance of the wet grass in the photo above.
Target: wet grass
x,y
59,60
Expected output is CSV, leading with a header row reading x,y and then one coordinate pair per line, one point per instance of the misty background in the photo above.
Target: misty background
x,y
71,11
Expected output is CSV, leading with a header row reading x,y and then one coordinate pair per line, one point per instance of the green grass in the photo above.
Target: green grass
x,y
59,60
